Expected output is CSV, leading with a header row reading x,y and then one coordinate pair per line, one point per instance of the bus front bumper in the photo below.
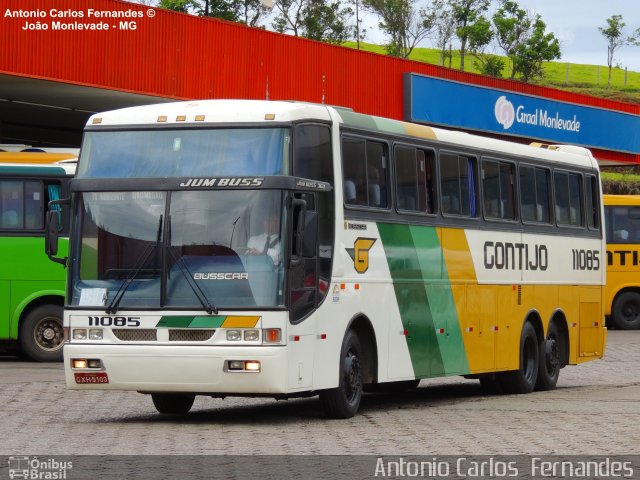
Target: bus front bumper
x,y
194,369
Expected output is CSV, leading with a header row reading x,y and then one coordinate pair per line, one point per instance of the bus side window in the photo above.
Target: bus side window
x,y
365,172
592,205
415,189
568,189
11,204
457,184
498,189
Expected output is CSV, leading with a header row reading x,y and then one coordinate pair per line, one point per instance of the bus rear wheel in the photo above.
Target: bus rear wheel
x,y
524,379
173,403
550,359
41,334
344,401
626,311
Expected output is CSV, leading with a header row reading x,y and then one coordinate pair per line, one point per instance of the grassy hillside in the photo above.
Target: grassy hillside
x,y
587,79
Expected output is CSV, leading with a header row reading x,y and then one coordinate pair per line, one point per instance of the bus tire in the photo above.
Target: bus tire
x,y
344,401
550,359
626,311
41,335
524,379
173,403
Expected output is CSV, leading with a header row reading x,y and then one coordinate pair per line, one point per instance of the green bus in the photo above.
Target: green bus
x,y
31,286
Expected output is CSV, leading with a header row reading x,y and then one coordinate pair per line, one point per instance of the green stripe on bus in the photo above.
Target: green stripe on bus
x,y
357,119
177,321
441,301
207,322
31,171
425,299
413,302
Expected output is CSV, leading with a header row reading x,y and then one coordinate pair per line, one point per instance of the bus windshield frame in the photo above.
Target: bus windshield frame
x,y
187,152
185,250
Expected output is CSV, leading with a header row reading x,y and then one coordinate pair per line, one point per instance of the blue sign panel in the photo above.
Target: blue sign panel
x,y
442,102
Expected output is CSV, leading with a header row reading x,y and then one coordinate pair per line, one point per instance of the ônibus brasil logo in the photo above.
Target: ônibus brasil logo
x,y
505,113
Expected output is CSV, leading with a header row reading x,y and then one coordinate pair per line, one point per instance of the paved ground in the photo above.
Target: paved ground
x,y
595,410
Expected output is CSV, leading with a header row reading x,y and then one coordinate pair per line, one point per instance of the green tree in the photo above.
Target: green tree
x,y
252,11
224,9
466,13
444,30
183,6
322,20
325,21
539,47
512,26
480,35
614,33
405,25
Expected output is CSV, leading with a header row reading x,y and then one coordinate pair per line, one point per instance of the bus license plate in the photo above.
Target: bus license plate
x,y
91,377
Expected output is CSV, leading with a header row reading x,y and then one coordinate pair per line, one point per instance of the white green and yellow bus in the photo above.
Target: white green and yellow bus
x,y
622,293
399,252
32,288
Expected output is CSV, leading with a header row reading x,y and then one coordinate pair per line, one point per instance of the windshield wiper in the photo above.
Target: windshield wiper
x,y
113,306
195,288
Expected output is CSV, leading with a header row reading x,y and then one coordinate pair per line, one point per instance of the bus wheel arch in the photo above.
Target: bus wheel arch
x,y
40,329
357,366
625,309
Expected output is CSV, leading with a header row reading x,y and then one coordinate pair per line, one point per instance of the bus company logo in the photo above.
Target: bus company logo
x,y
220,276
505,113
222,182
35,468
360,253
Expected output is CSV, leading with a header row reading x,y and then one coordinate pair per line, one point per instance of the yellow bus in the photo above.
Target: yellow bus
x,y
622,293
395,252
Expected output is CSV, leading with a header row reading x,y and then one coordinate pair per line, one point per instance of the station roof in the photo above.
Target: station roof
x,y
53,79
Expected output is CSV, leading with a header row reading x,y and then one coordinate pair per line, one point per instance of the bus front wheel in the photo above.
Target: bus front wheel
x,y
524,379
626,311
344,401
173,403
41,334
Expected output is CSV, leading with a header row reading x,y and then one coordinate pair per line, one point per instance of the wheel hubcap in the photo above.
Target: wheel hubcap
x,y
630,311
552,355
49,334
352,380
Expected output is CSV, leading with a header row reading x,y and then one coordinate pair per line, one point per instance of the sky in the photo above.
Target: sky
x,y
575,23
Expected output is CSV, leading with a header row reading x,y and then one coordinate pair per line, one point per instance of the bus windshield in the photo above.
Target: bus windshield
x,y
183,250
185,153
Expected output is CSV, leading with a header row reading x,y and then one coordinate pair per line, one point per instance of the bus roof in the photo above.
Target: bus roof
x,y
202,112
36,157
36,164
631,200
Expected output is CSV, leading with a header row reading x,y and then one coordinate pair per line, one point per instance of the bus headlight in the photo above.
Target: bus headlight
x,y
234,335
79,333
95,334
251,335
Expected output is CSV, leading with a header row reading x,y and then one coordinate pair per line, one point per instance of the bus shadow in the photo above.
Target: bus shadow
x,y
294,410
